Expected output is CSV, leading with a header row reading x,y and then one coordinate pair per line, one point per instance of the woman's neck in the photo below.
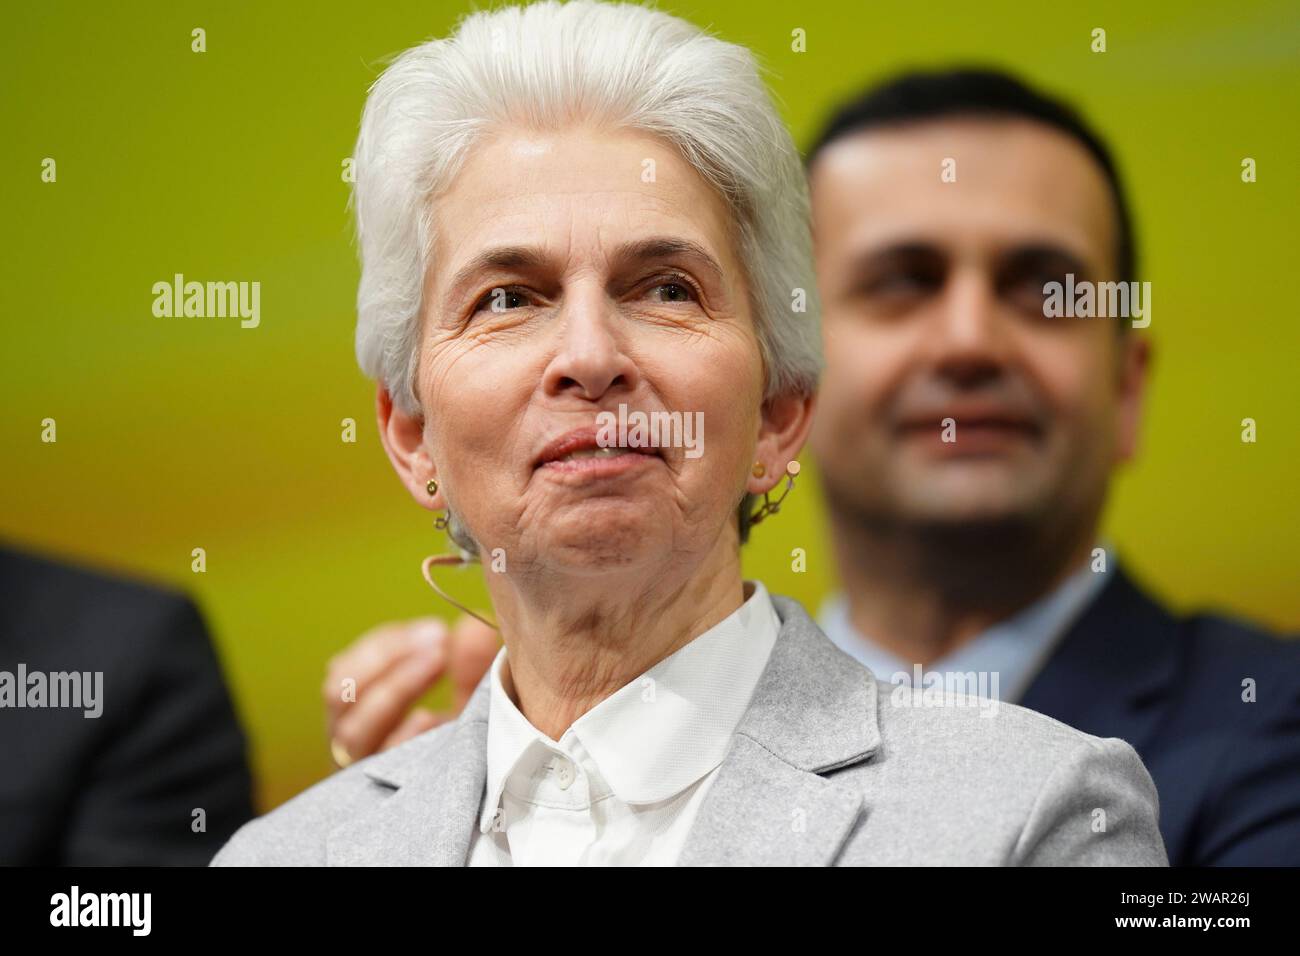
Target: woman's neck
x,y
570,645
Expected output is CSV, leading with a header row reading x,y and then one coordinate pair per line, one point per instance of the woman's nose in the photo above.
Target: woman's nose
x,y
591,356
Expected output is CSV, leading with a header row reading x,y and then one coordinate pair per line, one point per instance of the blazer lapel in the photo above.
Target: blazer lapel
x,y
1112,668
433,813
814,711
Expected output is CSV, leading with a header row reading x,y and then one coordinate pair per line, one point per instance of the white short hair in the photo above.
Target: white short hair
x,y
547,66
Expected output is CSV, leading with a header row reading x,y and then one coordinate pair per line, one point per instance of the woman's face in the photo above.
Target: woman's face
x,y
574,272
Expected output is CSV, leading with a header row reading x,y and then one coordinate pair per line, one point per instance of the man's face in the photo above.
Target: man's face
x,y
933,306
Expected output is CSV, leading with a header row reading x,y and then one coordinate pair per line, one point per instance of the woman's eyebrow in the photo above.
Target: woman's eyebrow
x,y
652,249
666,247
498,257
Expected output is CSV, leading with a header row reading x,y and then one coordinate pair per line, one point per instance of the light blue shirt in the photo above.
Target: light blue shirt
x,y
1006,657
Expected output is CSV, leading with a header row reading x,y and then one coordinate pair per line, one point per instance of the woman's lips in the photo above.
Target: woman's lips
x,y
594,463
579,456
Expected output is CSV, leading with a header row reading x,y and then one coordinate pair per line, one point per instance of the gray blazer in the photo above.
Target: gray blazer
x,y
828,766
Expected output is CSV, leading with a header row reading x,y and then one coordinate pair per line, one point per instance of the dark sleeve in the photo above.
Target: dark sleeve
x,y
177,749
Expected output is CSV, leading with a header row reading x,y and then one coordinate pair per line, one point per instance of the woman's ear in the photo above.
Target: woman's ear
x,y
402,436
781,435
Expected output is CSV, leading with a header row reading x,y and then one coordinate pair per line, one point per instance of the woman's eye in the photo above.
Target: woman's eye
x,y
672,292
501,300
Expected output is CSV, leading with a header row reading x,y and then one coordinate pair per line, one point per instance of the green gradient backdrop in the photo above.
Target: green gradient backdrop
x,y
180,433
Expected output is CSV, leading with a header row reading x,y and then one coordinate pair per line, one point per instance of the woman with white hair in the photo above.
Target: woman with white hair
x,y
587,297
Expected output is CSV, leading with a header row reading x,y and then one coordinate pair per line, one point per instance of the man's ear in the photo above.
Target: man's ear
x,y
781,435
403,438
1134,370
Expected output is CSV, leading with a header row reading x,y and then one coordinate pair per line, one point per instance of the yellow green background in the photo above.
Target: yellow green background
x,y
226,165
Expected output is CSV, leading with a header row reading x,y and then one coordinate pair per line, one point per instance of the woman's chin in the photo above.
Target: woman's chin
x,y
603,538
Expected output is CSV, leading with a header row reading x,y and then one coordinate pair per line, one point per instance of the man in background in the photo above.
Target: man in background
x,y
124,749
966,439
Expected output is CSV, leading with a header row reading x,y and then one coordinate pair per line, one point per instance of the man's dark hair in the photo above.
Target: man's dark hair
x,y
918,96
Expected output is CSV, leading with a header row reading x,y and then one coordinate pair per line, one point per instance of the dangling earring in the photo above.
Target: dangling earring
x,y
458,560
770,507
439,522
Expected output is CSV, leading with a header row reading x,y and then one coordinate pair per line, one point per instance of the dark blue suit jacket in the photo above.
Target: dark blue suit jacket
x,y
1227,771
120,789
